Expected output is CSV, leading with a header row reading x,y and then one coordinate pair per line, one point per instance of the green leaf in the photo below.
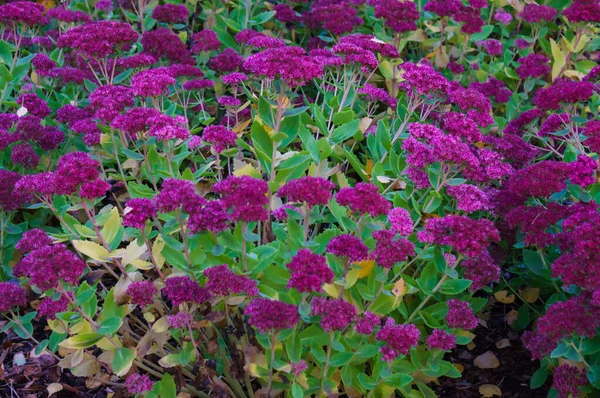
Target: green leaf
x,y
539,378
344,132
5,53
110,325
297,391
111,226
454,286
83,340
293,348
428,278
122,361
343,117
533,261
166,387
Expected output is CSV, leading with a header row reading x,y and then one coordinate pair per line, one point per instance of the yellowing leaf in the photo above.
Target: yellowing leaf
x,y
366,266
133,252
559,59
243,169
241,126
83,340
111,227
331,290
503,297
157,247
141,264
92,250
399,288
489,391
351,278
487,360
162,325
530,294
503,343
53,388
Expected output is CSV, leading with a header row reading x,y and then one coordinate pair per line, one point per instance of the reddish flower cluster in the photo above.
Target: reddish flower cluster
x,y
310,190
469,198
398,339
441,340
366,325
206,215
535,13
138,211
48,308
11,296
335,314
460,315
138,384
400,16
98,38
482,270
465,235
220,137
179,320
348,246
363,198
271,315
246,196
567,379
223,282
290,64
180,289
309,271
533,65
171,13
174,194
388,251
142,293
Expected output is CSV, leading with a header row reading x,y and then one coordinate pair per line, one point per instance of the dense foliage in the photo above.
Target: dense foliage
x,y
308,198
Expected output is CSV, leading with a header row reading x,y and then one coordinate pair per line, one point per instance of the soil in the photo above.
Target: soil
x,y
513,374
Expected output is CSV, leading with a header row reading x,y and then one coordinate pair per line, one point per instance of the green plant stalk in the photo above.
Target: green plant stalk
x,y
271,365
326,366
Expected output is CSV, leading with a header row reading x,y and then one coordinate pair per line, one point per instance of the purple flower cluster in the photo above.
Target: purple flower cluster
x,y
32,240
181,289
246,196
180,320
469,198
533,65
223,282
310,190
398,339
142,293
290,64
271,315
400,16
138,384
363,198
567,379
138,211
441,340
309,271
48,308
171,13
388,251
348,246
460,315
367,324
220,137
335,314
375,94
98,38
11,296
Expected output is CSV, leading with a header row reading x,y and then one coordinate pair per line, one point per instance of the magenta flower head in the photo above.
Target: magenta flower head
x,y
400,221
138,211
585,11
49,264
74,169
223,282
423,79
24,155
180,320
142,293
98,38
482,270
23,12
460,315
309,271
152,82
164,43
563,91
285,13
94,189
348,246
388,251
138,384
469,198
271,315
174,194
290,64
11,296
245,196
363,198
441,340
135,120
204,41
367,324
32,240
533,65
335,314
398,339
34,105
112,97
535,13
48,308
228,60
11,199
220,137
467,236
206,215
310,190
165,127
400,16
181,289
171,13
567,379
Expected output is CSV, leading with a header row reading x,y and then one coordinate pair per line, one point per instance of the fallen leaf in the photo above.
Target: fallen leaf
x,y
511,316
530,294
54,388
471,346
365,268
459,367
502,344
19,359
503,297
487,360
489,391
399,288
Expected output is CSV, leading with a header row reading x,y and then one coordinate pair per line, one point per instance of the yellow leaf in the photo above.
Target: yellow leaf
x,y
331,290
559,59
502,343
141,264
503,297
241,126
530,294
243,169
111,227
399,288
369,167
364,124
441,57
157,247
133,252
162,325
487,360
53,388
489,391
351,278
366,266
92,250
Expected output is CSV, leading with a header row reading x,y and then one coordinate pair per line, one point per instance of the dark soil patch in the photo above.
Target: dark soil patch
x,y
513,374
